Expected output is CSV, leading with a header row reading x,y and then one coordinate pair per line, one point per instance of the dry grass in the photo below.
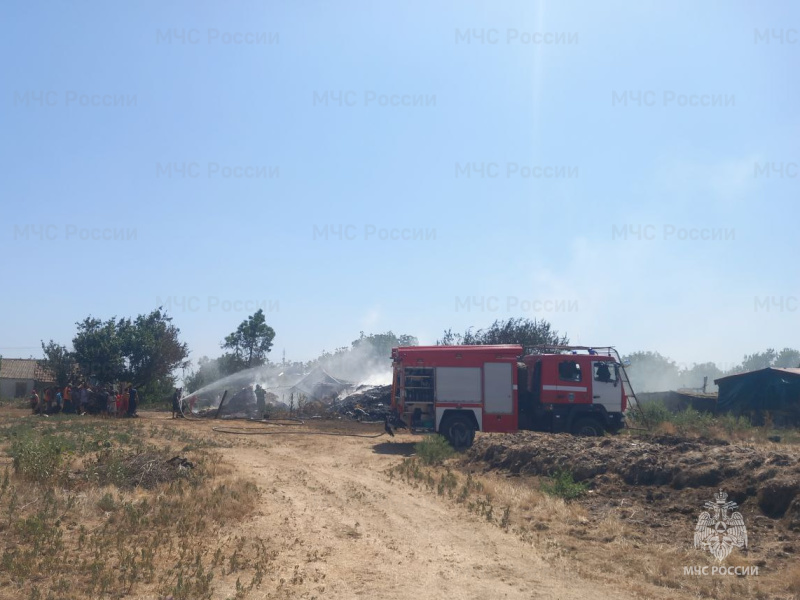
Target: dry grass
x,y
793,581
692,423
94,509
608,547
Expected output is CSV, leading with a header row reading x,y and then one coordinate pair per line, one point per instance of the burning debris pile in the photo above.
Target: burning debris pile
x,y
337,385
343,387
366,403
314,394
242,404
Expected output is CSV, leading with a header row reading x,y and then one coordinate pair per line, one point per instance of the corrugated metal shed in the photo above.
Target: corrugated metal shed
x,y
750,373
771,389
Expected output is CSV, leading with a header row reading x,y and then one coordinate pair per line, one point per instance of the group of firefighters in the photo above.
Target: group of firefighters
x,y
82,398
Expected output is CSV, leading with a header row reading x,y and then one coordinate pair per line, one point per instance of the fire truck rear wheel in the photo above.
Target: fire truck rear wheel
x,y
588,427
459,431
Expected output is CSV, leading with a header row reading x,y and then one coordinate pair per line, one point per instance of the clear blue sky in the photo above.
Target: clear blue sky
x,y
580,113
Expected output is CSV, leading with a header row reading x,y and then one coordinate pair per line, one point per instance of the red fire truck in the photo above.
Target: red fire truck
x,y
458,390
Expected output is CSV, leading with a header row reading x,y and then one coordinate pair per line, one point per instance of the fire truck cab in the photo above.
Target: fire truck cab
x,y
458,390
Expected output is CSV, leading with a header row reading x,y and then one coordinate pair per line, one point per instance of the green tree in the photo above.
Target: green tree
x,y
250,343
208,371
381,344
525,332
59,360
98,350
151,348
759,360
367,356
229,363
788,358
144,351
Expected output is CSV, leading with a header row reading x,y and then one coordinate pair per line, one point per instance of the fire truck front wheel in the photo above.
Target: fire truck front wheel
x,y
588,427
459,431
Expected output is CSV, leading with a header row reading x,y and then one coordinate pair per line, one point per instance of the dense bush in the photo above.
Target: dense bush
x,y
651,414
434,450
657,417
691,420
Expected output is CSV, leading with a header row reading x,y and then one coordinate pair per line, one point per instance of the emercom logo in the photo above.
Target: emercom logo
x,y
720,532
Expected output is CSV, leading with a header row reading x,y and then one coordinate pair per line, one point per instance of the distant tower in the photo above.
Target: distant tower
x,y
283,360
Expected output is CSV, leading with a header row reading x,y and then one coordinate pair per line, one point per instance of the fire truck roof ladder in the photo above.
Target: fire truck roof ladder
x,y
628,389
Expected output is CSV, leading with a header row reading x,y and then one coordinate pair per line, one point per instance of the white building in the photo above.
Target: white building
x,y
19,375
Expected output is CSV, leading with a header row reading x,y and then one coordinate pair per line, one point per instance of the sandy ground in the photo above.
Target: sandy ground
x,y
342,529
332,523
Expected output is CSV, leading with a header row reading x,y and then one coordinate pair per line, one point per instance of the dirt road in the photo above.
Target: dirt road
x,y
343,529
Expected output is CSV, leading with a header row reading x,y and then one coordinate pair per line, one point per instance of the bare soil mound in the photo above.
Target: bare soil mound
x,y
664,480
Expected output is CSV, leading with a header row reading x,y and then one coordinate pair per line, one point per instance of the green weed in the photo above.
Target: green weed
x,y
434,450
562,485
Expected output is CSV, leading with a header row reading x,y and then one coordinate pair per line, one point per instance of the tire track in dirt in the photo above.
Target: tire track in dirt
x,y
342,529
